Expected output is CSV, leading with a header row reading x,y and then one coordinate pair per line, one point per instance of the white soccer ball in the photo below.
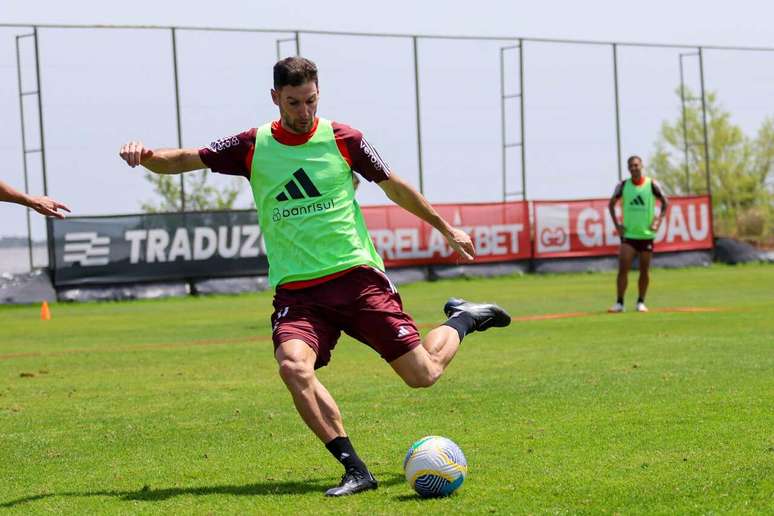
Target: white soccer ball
x,y
435,466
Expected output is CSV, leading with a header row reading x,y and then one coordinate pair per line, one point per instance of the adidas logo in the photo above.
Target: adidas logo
x,y
637,201
295,192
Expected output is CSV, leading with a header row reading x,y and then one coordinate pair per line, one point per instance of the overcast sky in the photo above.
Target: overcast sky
x,y
101,88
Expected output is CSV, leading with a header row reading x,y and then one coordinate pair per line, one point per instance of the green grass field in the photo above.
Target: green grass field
x,y
175,406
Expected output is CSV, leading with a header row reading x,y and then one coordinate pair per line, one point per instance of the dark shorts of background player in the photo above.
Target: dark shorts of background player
x,y
639,245
363,303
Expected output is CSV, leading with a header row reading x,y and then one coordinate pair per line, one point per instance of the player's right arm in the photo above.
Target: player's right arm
x,y
161,161
611,207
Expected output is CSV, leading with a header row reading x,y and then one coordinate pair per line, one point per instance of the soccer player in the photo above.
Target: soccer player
x,y
43,205
327,275
638,229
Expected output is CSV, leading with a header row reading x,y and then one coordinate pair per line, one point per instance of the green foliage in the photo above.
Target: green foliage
x,y
741,167
175,406
199,194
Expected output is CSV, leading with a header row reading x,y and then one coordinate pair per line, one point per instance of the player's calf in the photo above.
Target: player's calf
x,y
417,368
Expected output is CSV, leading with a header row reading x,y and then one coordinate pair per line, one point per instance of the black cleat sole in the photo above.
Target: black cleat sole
x,y
485,315
350,486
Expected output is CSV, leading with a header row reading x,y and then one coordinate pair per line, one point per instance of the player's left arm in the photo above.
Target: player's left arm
x,y
363,158
659,193
407,197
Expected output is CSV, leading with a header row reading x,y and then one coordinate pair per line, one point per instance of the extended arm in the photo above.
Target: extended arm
x,y
405,196
161,161
43,205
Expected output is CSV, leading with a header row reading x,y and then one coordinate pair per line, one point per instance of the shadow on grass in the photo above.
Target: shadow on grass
x,y
149,494
416,498
408,498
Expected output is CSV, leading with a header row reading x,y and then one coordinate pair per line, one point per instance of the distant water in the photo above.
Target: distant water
x,y
16,259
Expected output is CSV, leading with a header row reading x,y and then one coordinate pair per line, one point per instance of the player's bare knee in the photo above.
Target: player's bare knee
x,y
423,379
292,370
416,382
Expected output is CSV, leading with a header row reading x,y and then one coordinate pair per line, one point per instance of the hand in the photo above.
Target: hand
x,y
48,207
656,224
620,229
134,153
461,243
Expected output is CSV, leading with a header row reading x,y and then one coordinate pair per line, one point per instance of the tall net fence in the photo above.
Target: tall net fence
x,y
467,119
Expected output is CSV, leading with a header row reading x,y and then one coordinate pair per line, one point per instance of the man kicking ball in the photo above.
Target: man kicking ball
x,y
327,276
638,229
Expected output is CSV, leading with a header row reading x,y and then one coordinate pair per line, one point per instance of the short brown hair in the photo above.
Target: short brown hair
x,y
294,71
632,158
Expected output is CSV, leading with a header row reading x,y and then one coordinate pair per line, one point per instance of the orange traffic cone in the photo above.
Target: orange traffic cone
x,y
45,312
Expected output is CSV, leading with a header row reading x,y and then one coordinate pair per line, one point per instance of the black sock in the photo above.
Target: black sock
x,y
463,322
342,450
619,300
640,300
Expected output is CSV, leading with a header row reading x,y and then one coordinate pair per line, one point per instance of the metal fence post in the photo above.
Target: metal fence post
x,y
49,221
685,127
505,145
177,112
503,154
419,121
707,170
523,131
617,110
24,148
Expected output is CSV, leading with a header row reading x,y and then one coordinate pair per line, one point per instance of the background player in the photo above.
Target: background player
x,y
638,229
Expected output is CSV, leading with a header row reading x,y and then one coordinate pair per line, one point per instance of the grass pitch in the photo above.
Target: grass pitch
x,y
175,406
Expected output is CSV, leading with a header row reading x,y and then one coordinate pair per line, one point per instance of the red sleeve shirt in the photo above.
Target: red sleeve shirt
x,y
234,154
230,155
618,192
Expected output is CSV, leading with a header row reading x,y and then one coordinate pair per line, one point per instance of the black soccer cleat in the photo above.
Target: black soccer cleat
x,y
485,315
353,481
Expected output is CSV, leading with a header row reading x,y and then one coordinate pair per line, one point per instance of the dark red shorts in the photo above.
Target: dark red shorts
x,y
363,303
639,245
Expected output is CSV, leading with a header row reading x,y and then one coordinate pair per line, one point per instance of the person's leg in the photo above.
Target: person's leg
x,y
378,320
625,257
319,411
304,336
423,365
314,403
644,280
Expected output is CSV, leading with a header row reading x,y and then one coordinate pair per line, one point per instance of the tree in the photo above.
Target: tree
x,y
741,168
199,195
